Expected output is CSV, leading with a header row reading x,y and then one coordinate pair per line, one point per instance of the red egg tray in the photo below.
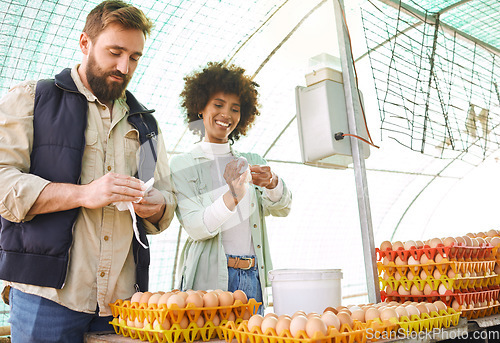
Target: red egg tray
x,y
455,252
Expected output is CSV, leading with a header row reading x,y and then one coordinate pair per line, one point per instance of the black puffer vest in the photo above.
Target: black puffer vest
x,y
37,252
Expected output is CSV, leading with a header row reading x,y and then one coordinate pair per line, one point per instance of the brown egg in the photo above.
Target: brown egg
x,y
254,322
200,322
424,259
145,297
331,319
195,299
216,320
164,299
491,233
427,289
419,244
460,240
396,245
468,241
241,296
226,299
283,324
183,294
154,298
358,314
271,314
299,313
415,291
331,309
442,289
345,318
434,242
399,262
471,235
402,312
422,308
298,324
268,323
431,308
371,314
385,245
412,310
480,241
315,326
210,299
409,244
184,322
402,290
410,275
138,323
136,297
412,261
176,299
449,241
163,326
388,313
440,259
440,305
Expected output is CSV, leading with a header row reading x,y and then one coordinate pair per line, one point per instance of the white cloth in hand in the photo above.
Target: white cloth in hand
x,y
127,205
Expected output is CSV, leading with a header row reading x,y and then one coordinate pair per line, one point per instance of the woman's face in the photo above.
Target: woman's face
x,y
221,115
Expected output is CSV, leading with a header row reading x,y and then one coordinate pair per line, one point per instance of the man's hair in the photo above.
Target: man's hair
x,y
216,77
116,12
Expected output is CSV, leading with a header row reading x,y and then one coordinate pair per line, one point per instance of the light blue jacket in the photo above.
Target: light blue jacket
x,y
203,263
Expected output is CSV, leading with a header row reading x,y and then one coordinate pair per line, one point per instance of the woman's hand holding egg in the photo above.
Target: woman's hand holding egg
x,y
236,179
263,176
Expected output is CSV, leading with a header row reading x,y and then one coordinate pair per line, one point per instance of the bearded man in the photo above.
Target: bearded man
x,y
72,148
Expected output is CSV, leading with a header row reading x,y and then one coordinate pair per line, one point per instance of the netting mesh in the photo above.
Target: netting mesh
x,y
436,91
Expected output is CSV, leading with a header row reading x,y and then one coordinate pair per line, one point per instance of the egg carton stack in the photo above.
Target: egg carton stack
x,y
180,316
357,323
462,272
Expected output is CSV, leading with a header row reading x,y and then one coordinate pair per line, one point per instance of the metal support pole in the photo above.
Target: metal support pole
x,y
351,99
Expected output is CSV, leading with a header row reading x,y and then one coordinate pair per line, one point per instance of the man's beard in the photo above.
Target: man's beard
x,y
102,88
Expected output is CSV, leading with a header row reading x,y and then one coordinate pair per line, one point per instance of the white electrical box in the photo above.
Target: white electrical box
x,y
321,113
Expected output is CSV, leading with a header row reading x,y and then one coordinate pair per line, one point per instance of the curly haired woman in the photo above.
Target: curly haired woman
x,y
224,195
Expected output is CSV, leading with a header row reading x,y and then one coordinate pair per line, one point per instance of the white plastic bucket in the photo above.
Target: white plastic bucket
x,y
309,290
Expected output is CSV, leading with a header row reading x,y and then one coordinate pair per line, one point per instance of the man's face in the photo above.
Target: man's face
x,y
112,59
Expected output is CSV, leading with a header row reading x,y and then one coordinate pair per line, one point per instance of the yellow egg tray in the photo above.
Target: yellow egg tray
x,y
429,322
461,297
358,333
174,335
459,267
174,314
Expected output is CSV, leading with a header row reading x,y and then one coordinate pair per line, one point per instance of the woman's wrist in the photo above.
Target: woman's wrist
x,y
274,182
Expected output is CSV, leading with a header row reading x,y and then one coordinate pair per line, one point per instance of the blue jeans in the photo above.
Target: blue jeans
x,y
246,280
36,319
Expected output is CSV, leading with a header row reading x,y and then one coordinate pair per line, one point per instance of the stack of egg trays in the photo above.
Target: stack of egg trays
x,y
358,333
124,309
464,290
